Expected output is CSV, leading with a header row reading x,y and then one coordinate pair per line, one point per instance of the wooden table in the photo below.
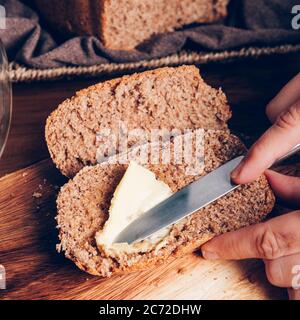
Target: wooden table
x,y
27,228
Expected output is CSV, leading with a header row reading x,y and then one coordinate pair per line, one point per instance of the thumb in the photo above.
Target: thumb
x,y
273,144
269,240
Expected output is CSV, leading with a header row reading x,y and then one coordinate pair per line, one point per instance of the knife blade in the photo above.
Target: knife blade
x,y
182,203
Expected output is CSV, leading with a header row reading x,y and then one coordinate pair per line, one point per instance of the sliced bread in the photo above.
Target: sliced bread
x,y
84,201
166,98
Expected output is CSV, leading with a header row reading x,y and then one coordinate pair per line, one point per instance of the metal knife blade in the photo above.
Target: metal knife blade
x,y
182,203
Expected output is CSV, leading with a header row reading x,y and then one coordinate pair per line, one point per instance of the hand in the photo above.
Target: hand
x,y
276,241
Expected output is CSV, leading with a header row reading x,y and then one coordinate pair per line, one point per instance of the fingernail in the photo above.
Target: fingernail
x,y
208,255
236,172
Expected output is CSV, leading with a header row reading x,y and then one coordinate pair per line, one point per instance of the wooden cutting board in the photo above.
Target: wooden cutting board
x,y
27,226
34,269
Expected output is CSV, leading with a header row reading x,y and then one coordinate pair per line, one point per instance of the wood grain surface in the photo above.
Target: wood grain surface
x,y
30,182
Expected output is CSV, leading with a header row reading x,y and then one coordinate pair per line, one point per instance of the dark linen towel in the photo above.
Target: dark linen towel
x,y
250,23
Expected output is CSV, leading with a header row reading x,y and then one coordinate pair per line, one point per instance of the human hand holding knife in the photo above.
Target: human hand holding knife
x,y
276,241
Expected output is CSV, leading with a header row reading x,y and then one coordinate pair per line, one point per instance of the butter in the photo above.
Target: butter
x,y
137,192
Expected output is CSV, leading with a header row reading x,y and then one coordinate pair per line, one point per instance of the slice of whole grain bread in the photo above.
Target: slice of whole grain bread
x,y
166,98
84,201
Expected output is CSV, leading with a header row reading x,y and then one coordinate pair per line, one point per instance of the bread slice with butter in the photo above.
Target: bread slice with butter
x,y
165,98
84,203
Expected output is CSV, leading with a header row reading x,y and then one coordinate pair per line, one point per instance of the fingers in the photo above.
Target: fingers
x,y
269,240
286,188
273,144
284,272
294,294
284,99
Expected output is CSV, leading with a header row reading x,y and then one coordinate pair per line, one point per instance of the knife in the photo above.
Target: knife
x,y
186,201
182,203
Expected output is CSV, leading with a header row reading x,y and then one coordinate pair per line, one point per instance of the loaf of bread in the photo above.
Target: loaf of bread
x,y
84,201
123,24
167,98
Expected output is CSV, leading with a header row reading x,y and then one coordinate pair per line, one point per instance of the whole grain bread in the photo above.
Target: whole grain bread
x,y
83,205
166,98
123,24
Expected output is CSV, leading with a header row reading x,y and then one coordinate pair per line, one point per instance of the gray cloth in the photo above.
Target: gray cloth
x,y
250,23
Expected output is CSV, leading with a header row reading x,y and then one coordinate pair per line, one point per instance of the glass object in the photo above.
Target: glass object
x,y
5,99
